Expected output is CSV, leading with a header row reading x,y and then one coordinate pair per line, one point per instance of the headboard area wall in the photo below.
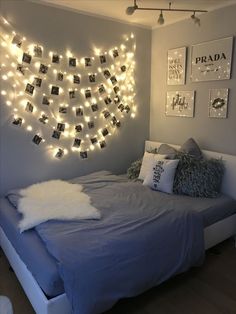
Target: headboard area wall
x,y
212,133
228,184
22,162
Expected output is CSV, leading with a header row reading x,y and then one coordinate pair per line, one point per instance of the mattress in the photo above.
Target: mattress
x,y
34,254
31,250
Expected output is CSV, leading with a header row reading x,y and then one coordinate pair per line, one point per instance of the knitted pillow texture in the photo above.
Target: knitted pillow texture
x,y
198,177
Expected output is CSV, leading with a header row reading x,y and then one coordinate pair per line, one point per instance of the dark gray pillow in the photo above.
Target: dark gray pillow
x,y
198,177
191,147
134,169
167,150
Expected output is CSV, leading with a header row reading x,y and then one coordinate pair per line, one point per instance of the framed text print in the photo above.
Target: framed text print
x,y
218,103
180,103
176,66
212,60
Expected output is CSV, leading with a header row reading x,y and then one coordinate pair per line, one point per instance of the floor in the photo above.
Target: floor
x,y
210,289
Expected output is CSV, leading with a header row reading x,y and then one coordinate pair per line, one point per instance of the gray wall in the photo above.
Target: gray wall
x,y
213,134
23,163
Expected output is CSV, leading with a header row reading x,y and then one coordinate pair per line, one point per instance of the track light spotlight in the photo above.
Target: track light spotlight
x,y
195,19
161,20
131,10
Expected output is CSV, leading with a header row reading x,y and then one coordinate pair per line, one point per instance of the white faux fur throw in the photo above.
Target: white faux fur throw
x,y
54,199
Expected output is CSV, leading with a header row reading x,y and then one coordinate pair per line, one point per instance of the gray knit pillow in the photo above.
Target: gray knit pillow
x,y
198,177
134,169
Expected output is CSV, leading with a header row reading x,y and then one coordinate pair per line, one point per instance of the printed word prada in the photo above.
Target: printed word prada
x,y
211,58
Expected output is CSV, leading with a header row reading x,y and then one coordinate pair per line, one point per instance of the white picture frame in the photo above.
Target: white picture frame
x,y
176,66
180,103
218,103
211,60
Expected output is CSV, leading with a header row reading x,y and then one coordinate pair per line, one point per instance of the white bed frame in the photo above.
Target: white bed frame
x,y
213,234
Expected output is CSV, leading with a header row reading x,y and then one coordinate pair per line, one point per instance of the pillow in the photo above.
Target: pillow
x,y
161,175
167,150
198,177
134,170
147,162
191,147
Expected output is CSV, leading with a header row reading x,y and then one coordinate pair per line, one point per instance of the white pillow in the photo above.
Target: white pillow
x,y
161,175
148,159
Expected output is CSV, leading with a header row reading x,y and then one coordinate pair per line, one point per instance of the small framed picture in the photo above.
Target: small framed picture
x,y
94,140
43,119
107,100
17,121
106,74
61,127
88,93
38,51
116,89
115,53
37,81
29,89
180,103
113,80
105,132
92,78
17,40
91,125
21,68
116,100
55,90
26,58
55,58
60,76
84,155
45,101
94,107
79,112
127,109
43,69
123,68
56,134
106,114
76,79
103,144
29,107
218,103
176,59
101,89
88,62
103,59
71,94
63,109
72,62
77,142
37,139
121,107
78,128
59,153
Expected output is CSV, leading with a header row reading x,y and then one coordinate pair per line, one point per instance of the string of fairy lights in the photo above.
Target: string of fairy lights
x,y
67,102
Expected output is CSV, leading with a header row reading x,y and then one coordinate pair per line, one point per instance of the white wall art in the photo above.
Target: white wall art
x,y
176,66
218,103
180,103
212,60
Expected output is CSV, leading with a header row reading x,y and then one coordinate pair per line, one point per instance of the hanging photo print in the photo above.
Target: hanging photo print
x,y
17,121
29,107
43,69
17,40
59,153
26,58
55,58
56,134
72,62
38,51
37,139
29,89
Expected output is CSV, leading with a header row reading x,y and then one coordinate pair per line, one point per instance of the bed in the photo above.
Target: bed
x,y
48,296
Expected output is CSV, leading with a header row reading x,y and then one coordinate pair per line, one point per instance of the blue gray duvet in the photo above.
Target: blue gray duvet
x,y
135,246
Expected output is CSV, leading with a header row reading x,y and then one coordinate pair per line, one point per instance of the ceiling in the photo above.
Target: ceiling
x,y
115,9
